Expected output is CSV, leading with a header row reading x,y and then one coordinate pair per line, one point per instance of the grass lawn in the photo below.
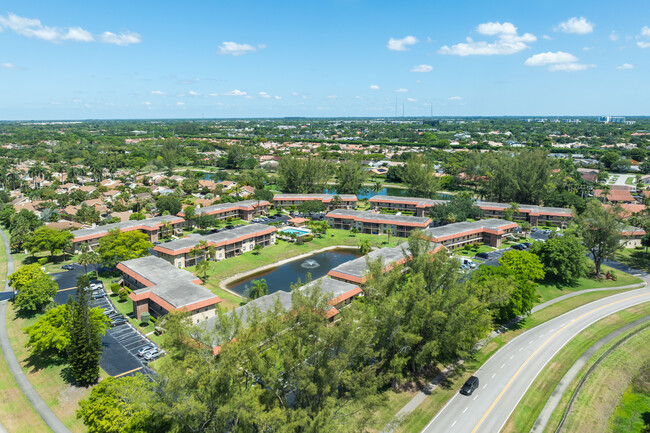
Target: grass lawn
x,y
529,408
635,258
22,259
473,252
283,250
633,407
421,416
629,180
549,290
49,377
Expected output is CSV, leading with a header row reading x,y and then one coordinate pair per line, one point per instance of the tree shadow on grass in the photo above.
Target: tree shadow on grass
x,y
638,259
38,361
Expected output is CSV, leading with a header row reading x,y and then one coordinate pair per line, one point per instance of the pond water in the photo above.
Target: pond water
x,y
283,276
400,192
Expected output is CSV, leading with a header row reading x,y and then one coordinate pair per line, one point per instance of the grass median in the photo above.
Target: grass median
x,y
432,404
531,405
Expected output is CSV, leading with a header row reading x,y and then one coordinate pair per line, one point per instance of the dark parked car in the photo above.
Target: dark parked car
x,y
67,267
470,386
519,247
118,322
483,256
228,227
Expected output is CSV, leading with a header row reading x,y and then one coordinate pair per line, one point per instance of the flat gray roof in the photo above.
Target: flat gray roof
x,y
103,230
158,270
458,228
223,236
333,288
224,207
345,197
359,267
384,218
529,207
419,200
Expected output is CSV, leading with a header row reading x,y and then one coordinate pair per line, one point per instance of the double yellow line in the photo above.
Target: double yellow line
x,y
512,379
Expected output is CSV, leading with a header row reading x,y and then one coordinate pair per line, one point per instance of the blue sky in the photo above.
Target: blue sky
x,y
146,59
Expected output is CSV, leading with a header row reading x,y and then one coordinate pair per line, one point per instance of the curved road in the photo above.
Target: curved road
x,y
506,376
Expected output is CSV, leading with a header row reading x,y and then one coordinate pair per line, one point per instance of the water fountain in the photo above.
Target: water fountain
x,y
310,264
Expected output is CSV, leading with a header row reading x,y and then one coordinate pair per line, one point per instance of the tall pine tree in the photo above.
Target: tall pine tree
x,y
85,349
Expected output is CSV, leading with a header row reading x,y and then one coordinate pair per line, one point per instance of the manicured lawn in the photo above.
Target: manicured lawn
x,y
421,416
529,408
51,267
629,180
635,258
549,290
473,252
283,250
48,376
605,390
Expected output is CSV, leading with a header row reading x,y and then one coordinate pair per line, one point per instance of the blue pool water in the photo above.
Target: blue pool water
x,y
294,231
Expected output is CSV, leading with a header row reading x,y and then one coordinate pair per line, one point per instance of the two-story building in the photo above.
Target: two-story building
x,y
533,214
158,288
457,235
375,223
415,205
245,210
226,244
345,201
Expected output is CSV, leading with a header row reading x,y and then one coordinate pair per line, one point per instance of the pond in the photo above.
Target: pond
x,y
283,276
400,192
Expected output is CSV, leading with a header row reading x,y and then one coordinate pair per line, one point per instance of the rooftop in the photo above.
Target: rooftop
x,y
225,207
222,238
366,216
407,200
494,225
528,208
151,224
324,197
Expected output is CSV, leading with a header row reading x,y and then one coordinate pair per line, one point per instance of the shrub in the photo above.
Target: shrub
x,y
115,288
308,238
42,261
123,294
145,317
299,241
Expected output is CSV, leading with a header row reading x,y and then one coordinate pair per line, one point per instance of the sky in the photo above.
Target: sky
x,y
328,58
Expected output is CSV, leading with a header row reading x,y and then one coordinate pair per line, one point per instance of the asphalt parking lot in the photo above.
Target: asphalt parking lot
x,y
120,344
494,256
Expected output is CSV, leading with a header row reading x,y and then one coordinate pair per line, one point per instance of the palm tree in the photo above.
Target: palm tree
x,y
12,177
94,259
607,188
202,267
389,232
365,247
258,289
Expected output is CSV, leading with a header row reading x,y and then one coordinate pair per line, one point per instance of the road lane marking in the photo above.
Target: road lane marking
x,y
520,349
512,379
493,375
475,397
465,410
503,365
64,290
453,424
512,356
484,386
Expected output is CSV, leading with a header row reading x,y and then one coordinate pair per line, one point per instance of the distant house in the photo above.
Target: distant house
x,y
616,196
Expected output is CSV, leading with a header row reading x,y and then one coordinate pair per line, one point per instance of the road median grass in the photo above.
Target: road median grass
x,y
531,405
49,376
606,398
432,404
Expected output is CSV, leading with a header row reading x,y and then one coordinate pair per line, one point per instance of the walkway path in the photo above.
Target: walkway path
x,y
564,383
14,367
429,387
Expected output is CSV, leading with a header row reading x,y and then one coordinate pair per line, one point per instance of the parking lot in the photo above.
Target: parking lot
x,y
494,256
120,344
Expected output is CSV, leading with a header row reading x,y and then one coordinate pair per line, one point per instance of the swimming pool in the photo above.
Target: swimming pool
x,y
295,231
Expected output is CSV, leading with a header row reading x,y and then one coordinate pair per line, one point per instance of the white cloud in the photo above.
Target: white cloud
x,y
9,66
277,97
157,92
33,28
547,37
295,94
544,59
422,68
264,95
126,38
508,41
357,97
579,26
373,87
411,99
401,44
613,36
645,33
402,90
214,95
180,104
235,93
625,66
455,98
193,93
229,48
557,61
146,103
332,97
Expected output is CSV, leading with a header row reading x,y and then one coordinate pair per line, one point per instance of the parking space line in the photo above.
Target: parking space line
x,y
127,372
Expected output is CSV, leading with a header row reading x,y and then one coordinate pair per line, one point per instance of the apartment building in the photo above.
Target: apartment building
x,y
457,235
158,288
245,210
375,223
415,205
227,243
530,213
347,201
155,228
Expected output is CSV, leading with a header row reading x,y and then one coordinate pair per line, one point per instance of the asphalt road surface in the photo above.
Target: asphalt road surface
x,y
506,376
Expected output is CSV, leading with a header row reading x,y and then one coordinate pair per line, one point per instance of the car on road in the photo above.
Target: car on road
x,y
145,349
68,267
483,256
469,386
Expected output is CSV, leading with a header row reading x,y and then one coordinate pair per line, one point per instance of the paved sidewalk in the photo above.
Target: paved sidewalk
x,y
563,385
34,398
428,388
